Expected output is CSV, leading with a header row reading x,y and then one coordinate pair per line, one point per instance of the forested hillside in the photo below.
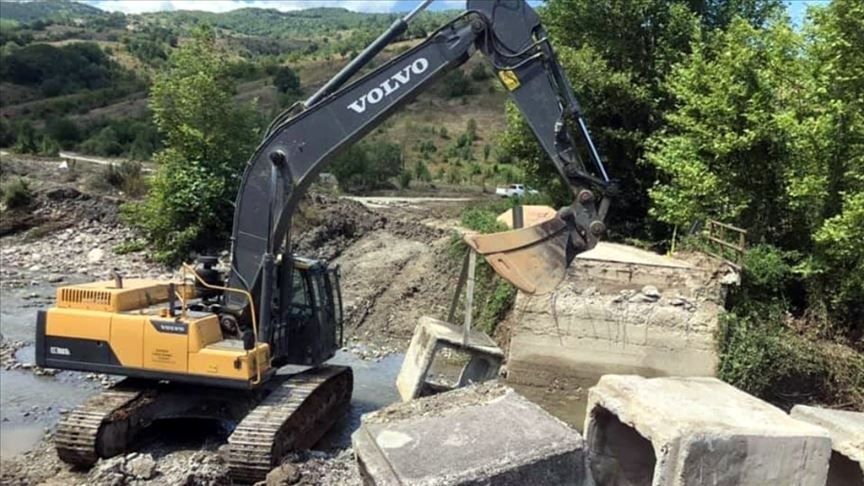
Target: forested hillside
x,y
77,78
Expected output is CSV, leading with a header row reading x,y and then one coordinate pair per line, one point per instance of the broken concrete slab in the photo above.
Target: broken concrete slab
x,y
697,431
619,310
483,434
431,337
847,441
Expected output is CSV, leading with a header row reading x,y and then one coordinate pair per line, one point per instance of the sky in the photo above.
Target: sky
x,y
797,8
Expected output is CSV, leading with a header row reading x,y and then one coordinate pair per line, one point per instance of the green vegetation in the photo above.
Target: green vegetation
x,y
287,82
16,193
127,177
726,111
367,165
207,139
60,70
493,296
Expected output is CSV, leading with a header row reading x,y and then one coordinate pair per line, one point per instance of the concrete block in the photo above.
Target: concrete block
x,y
847,441
697,432
432,337
479,435
619,310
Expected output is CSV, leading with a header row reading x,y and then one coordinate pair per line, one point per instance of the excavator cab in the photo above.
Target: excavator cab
x,y
311,328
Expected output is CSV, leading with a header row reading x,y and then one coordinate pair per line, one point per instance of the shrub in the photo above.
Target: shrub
x,y
456,84
64,131
421,172
482,219
405,179
49,147
17,194
766,271
131,246
127,177
762,356
25,142
480,72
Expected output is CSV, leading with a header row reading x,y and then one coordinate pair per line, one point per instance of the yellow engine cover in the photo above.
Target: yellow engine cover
x,y
98,327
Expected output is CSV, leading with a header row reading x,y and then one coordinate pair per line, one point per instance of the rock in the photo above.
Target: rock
x,y
651,292
731,278
108,472
34,268
283,475
61,193
141,466
95,255
55,278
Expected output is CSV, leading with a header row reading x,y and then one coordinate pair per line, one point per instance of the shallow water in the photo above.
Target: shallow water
x,y
30,403
18,310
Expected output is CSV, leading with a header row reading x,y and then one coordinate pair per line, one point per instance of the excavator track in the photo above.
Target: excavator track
x,y
100,427
293,416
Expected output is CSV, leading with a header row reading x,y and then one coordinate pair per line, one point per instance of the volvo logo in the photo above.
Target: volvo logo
x,y
393,83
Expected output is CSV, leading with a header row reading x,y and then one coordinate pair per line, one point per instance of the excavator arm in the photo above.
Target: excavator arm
x,y
297,148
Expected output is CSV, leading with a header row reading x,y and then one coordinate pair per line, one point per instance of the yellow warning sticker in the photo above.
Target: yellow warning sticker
x,y
509,78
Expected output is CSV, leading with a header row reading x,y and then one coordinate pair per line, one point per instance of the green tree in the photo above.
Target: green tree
x,y
25,141
64,131
768,133
726,153
286,80
619,59
837,41
207,139
367,165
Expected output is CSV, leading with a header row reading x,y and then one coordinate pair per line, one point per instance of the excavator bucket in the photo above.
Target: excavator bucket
x,y
534,259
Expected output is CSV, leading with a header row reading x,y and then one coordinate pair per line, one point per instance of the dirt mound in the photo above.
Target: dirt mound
x,y
325,226
394,266
58,208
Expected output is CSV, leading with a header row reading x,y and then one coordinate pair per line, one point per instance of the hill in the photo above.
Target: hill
x,y
75,77
61,11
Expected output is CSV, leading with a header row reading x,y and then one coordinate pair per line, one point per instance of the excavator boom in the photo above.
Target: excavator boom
x,y
297,149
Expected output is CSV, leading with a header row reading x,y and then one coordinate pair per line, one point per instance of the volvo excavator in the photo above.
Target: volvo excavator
x,y
250,349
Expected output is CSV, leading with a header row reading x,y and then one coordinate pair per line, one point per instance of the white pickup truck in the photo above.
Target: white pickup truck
x,y
514,190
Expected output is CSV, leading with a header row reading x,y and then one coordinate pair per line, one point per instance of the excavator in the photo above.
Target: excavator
x,y
249,349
